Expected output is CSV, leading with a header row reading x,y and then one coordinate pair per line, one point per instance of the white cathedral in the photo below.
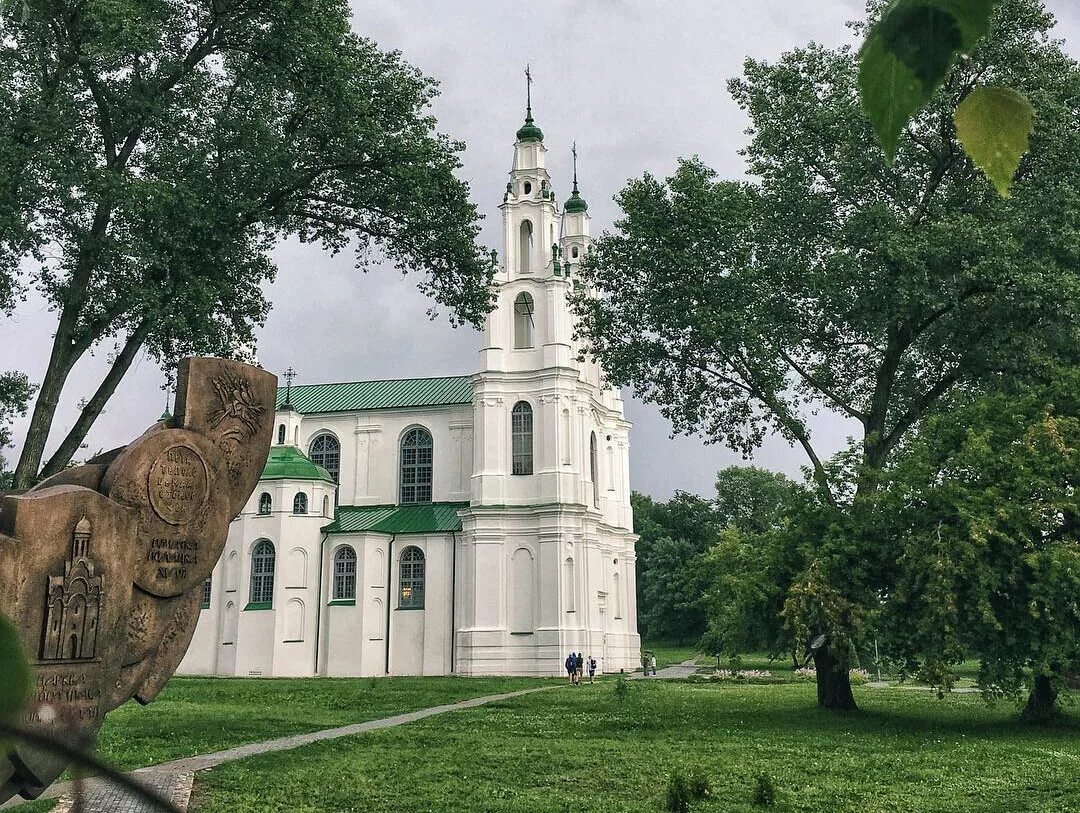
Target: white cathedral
x,y
469,525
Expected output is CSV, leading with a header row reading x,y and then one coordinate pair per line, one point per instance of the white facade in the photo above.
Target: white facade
x,y
509,563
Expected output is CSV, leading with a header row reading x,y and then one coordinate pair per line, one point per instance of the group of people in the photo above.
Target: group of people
x,y
576,664
648,662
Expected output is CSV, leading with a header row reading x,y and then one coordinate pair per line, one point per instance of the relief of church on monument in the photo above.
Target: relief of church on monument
x,y
74,604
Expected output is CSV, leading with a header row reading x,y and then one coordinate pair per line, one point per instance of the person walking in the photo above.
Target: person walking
x,y
652,663
592,669
580,664
571,666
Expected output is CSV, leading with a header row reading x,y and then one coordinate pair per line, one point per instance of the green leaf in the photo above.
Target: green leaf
x,y
14,670
994,125
891,93
908,54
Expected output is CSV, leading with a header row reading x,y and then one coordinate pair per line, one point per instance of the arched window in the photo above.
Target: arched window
x,y
325,451
569,585
574,252
411,579
281,435
344,573
525,246
593,473
521,435
207,592
266,503
262,573
526,187
416,461
299,503
523,321
326,506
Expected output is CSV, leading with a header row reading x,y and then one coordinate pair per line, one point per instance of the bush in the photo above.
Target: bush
x,y
622,688
678,794
764,791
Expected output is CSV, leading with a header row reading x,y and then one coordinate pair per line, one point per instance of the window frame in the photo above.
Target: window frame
x,y
322,457
300,503
414,465
412,572
207,592
266,504
344,574
263,571
521,439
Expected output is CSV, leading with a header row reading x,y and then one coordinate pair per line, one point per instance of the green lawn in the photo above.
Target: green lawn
x,y
582,749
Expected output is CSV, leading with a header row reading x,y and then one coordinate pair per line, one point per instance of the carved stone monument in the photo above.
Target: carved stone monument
x,y
102,566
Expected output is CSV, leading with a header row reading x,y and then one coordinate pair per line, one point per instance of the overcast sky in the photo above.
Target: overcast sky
x,y
636,83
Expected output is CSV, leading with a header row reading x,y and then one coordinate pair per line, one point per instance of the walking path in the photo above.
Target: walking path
x,y
684,669
174,779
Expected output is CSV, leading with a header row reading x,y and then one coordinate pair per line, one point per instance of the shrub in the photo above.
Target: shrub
x,y
622,688
700,785
678,794
764,791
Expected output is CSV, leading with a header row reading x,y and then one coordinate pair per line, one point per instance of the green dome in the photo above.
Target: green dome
x,y
575,203
289,463
529,131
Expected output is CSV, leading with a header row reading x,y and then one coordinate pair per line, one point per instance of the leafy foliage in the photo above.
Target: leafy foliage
x,y
994,125
984,510
14,671
836,280
159,150
907,56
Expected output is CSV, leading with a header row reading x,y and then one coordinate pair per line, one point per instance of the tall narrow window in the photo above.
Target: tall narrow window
x,y
281,435
262,573
593,473
411,579
326,506
521,433
299,503
266,503
525,246
523,321
569,586
416,464
566,440
207,592
325,451
344,573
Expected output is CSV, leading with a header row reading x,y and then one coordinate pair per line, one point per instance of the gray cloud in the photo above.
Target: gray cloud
x,y
635,83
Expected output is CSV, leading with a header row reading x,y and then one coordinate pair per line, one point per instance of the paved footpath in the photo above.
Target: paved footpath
x,y
174,779
684,669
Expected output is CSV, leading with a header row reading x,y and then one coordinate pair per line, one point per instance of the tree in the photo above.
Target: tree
x,y
756,555
835,280
984,512
154,152
673,537
15,393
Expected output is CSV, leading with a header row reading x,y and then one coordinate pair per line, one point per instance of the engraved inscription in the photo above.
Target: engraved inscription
x,y
64,699
178,484
172,557
73,604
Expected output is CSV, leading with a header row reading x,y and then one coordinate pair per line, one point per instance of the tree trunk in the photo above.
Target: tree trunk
x,y
90,413
1042,702
833,682
60,363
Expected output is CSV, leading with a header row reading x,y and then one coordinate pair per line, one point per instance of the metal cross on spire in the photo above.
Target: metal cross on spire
x,y
573,151
288,375
528,92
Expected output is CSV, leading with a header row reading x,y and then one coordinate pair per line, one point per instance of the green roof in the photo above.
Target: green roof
x,y
433,517
575,203
289,463
529,131
393,394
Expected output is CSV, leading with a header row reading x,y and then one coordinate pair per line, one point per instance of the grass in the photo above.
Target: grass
x,y
584,749
202,715
669,653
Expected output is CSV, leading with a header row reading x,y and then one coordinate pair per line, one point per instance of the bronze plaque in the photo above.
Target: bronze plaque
x,y
102,565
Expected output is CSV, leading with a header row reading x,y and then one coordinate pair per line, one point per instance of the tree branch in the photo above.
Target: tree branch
x,y
828,392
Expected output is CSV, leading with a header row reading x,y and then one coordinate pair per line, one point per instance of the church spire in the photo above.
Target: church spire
x,y
575,203
529,131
